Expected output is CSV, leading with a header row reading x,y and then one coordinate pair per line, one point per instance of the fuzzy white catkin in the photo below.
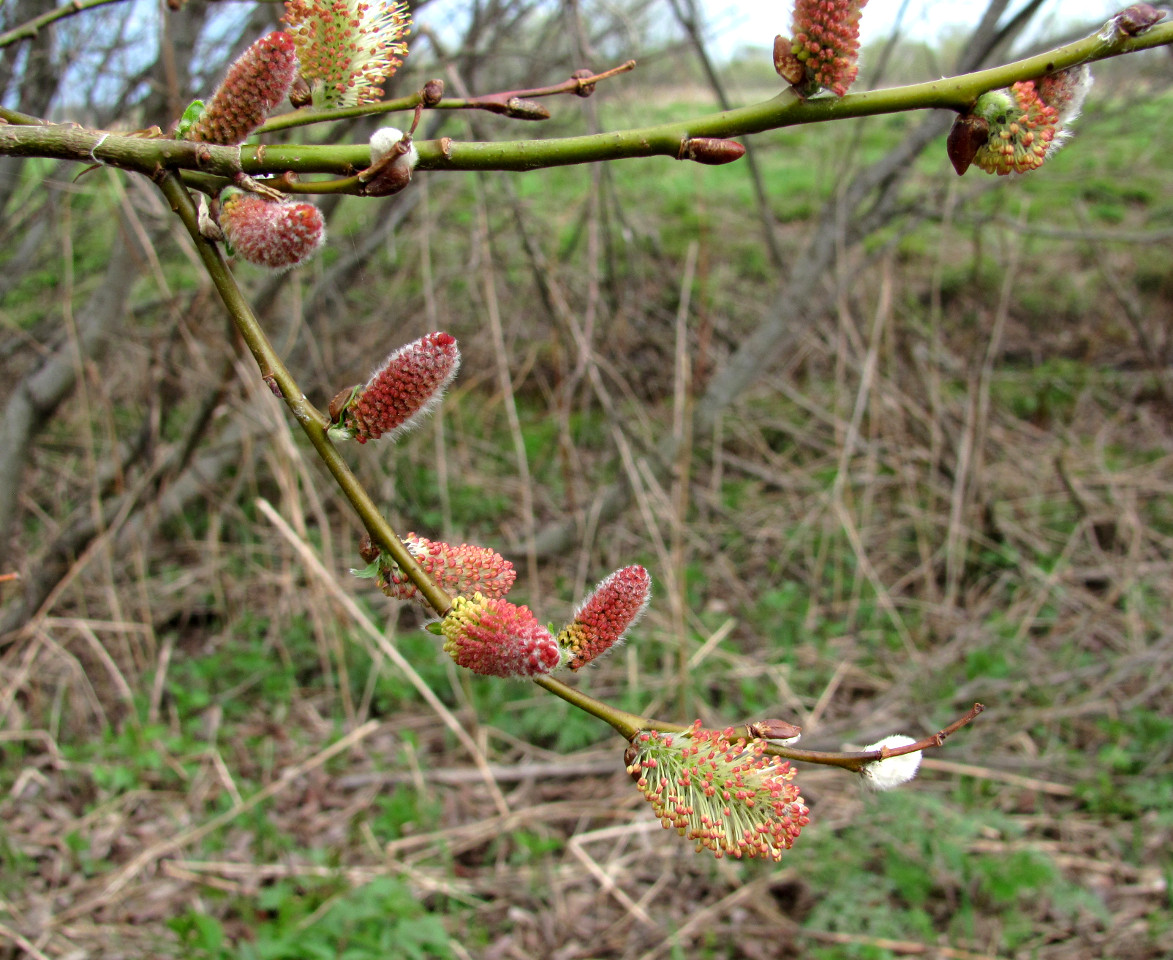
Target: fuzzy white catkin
x,y
892,771
383,139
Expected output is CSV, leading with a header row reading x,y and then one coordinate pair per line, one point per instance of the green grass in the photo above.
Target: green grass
x,y
310,920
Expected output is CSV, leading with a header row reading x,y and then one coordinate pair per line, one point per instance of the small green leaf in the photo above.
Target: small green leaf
x,y
369,572
190,116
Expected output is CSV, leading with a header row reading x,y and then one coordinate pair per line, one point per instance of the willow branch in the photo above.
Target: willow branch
x,y
150,156
312,421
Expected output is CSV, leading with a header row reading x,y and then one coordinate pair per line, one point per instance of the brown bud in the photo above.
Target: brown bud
x,y
390,178
773,730
520,109
432,93
367,549
629,756
788,66
583,89
710,150
393,161
967,135
338,404
299,93
1138,18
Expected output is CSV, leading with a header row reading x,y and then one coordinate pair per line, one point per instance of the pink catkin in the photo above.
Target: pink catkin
x,y
723,792
1065,90
614,607
272,233
256,83
459,570
496,638
826,39
404,389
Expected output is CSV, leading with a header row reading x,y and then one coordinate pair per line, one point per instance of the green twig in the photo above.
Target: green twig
x,y
20,119
147,156
630,724
626,724
29,30
313,422
857,761
493,102
308,115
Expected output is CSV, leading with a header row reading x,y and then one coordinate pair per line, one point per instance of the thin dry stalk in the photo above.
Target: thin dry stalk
x,y
677,572
488,277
